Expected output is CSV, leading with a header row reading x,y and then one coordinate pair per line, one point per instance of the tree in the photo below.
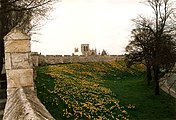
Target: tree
x,y
140,49
162,27
24,14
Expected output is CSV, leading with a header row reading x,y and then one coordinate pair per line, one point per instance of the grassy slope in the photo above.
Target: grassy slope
x,y
127,84
133,89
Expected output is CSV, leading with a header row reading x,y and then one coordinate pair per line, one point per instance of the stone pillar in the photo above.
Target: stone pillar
x,y
18,64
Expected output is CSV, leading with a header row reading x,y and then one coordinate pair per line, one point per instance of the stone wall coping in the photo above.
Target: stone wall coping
x,y
23,104
16,34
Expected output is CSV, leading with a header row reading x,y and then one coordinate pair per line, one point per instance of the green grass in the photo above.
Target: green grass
x,y
127,85
133,89
44,83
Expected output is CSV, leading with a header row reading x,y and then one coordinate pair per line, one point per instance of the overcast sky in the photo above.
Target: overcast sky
x,y
104,24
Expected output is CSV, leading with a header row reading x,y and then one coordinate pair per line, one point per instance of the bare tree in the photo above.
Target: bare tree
x,y
161,25
21,13
140,50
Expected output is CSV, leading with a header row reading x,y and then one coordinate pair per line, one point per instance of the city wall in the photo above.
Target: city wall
x,y
39,59
22,102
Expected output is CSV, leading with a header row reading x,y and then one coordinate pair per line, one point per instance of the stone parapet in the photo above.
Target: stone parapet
x,y
22,102
168,83
39,59
18,62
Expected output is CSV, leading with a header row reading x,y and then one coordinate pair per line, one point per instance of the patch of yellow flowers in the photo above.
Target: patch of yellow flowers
x,y
80,88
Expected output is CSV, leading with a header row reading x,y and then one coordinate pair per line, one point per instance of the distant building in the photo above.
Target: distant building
x,y
86,50
104,53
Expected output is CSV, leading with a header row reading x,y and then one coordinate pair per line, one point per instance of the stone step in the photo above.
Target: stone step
x,y
3,80
3,93
1,114
2,103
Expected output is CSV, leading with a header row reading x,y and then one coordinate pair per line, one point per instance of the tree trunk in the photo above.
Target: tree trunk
x,y
1,44
1,65
149,76
3,31
156,77
1,55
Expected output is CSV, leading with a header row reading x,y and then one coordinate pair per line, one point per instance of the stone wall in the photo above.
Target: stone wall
x,y
39,59
168,83
22,102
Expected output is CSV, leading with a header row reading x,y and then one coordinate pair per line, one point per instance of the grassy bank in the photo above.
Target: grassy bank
x,y
101,91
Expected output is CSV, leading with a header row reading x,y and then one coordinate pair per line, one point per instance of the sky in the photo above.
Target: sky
x,y
103,24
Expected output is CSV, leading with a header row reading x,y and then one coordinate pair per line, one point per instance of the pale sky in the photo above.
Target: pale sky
x,y
104,24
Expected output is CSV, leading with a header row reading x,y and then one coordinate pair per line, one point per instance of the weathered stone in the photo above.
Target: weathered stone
x,y
11,91
16,34
19,78
56,59
21,61
23,104
17,46
35,59
8,61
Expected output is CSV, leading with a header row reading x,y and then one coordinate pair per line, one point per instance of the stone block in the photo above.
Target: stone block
x,y
19,78
11,91
23,104
35,60
16,34
8,61
21,61
17,46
